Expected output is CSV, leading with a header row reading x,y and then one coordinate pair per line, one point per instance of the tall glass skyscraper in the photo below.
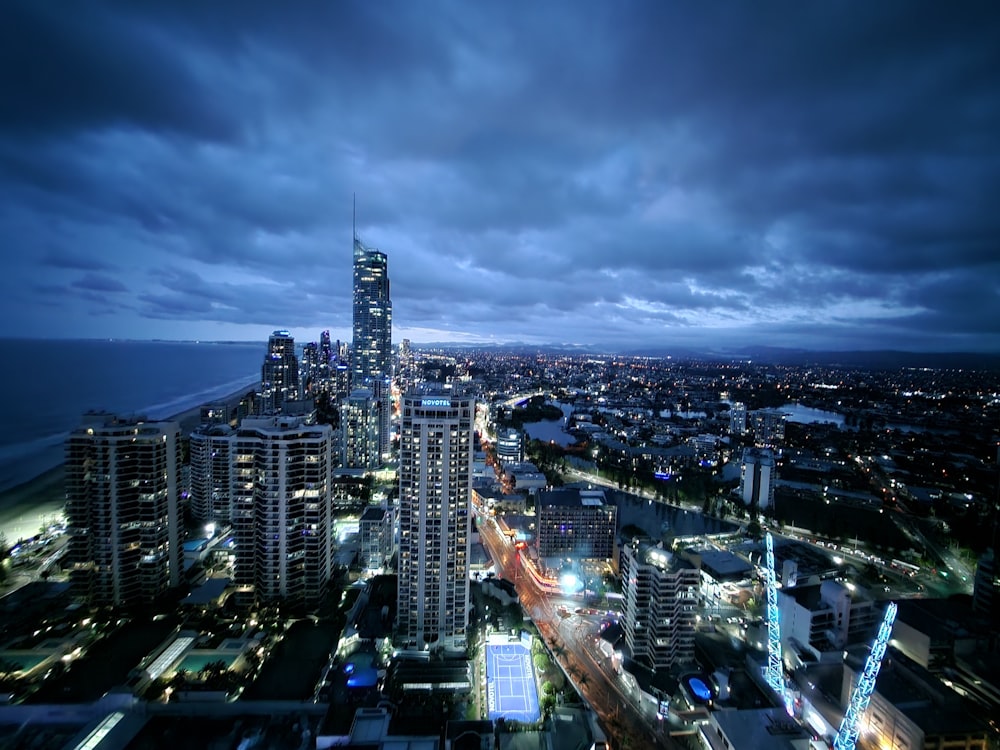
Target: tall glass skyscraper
x,y
371,361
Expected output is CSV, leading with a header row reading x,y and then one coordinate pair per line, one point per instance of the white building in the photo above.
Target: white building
x,y
661,597
757,478
282,477
435,487
824,618
123,508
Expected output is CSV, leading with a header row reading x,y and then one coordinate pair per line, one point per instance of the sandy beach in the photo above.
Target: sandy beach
x,y
25,508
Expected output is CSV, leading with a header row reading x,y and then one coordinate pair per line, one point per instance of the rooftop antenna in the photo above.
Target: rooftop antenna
x,y
354,215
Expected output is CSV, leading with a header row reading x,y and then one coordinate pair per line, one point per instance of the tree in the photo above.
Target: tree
x,y
548,688
541,662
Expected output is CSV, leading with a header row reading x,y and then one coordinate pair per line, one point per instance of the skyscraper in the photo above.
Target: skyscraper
x,y
435,479
359,414
210,448
279,379
123,509
282,479
371,363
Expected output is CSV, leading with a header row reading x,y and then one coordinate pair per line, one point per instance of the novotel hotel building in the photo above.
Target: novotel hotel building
x,y
435,485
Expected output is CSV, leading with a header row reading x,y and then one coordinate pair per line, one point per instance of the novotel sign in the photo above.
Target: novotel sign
x,y
432,402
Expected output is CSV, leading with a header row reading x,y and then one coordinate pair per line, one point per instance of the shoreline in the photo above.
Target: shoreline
x,y
26,506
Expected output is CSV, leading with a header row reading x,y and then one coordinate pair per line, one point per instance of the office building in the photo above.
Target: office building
x,y
577,523
210,450
661,596
757,478
359,423
371,358
435,478
282,478
510,445
279,380
123,509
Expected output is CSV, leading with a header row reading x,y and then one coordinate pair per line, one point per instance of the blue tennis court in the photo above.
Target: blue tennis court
x,y
510,683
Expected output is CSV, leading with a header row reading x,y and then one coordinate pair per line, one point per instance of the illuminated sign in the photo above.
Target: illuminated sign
x,y
431,402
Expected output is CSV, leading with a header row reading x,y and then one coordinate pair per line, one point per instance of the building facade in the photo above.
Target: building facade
x,y
576,523
768,427
123,509
435,485
661,597
757,478
359,426
279,379
986,589
371,359
281,509
375,530
510,446
210,451
824,618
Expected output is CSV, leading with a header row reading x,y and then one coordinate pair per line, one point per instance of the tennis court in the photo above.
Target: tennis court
x,y
510,683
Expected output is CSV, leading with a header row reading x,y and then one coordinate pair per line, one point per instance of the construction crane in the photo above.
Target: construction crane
x,y
774,674
847,737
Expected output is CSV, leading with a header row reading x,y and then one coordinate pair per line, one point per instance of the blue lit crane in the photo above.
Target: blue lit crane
x,y
847,737
774,674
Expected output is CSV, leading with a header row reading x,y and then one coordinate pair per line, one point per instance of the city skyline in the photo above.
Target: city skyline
x,y
581,173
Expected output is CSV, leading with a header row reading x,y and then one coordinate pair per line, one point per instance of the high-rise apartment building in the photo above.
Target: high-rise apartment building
x,y
210,450
435,482
279,379
768,427
123,509
359,423
375,532
757,479
661,596
371,363
282,479
738,418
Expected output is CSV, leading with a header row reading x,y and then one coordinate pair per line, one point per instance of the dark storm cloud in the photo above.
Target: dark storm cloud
x,y
70,67
571,171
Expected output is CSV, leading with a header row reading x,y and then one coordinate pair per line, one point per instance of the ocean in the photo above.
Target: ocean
x,y
50,384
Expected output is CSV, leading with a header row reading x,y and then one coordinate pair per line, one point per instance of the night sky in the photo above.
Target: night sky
x,y
621,174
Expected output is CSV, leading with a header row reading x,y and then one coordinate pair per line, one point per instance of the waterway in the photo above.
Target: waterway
x,y
800,414
552,430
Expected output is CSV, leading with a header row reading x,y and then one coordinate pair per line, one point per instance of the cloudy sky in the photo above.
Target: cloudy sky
x,y
622,174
